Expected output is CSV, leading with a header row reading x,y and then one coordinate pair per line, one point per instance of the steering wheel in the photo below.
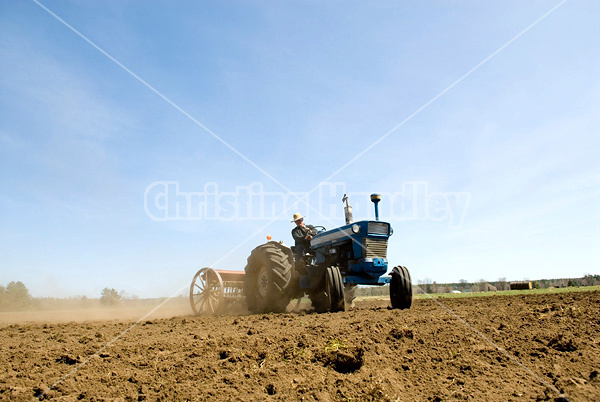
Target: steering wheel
x,y
320,228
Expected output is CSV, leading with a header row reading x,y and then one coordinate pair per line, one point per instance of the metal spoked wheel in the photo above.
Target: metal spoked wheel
x,y
206,292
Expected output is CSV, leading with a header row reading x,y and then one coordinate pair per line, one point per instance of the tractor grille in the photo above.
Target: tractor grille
x,y
375,248
379,228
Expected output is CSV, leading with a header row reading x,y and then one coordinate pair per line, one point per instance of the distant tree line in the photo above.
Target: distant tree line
x,y
429,286
482,285
14,297
373,291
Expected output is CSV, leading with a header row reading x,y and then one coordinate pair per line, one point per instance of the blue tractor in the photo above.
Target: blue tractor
x,y
338,260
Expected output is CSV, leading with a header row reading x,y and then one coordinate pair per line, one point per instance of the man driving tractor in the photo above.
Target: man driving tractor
x,y
302,234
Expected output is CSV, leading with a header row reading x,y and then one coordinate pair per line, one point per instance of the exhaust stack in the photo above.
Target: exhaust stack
x,y
347,211
376,198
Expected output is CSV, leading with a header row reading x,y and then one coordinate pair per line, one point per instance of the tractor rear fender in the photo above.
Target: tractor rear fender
x,y
284,248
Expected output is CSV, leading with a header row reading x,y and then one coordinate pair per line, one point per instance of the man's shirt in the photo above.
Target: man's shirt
x,y
299,234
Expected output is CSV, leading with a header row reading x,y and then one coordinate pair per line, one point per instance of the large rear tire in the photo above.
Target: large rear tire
x,y
400,288
334,288
268,278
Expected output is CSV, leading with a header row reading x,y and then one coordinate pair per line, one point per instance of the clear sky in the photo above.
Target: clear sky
x,y
497,177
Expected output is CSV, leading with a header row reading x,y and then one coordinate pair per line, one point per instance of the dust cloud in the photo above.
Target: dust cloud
x,y
79,310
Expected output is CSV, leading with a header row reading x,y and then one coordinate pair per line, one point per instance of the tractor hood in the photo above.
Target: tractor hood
x,y
357,231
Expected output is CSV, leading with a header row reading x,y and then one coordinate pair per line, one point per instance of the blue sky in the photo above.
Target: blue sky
x,y
300,89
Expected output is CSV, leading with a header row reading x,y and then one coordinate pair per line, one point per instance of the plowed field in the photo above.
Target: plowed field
x,y
497,348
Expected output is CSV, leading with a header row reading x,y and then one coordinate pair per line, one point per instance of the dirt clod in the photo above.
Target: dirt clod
x,y
399,333
562,344
344,361
66,359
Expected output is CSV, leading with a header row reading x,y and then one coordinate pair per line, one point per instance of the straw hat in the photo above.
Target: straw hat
x,y
297,216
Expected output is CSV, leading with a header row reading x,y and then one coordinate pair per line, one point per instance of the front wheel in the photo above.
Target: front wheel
x,y
334,288
400,288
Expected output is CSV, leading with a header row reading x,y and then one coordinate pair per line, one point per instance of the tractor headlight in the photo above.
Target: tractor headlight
x,y
355,228
391,231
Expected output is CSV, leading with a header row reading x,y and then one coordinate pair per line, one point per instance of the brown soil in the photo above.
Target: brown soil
x,y
550,346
